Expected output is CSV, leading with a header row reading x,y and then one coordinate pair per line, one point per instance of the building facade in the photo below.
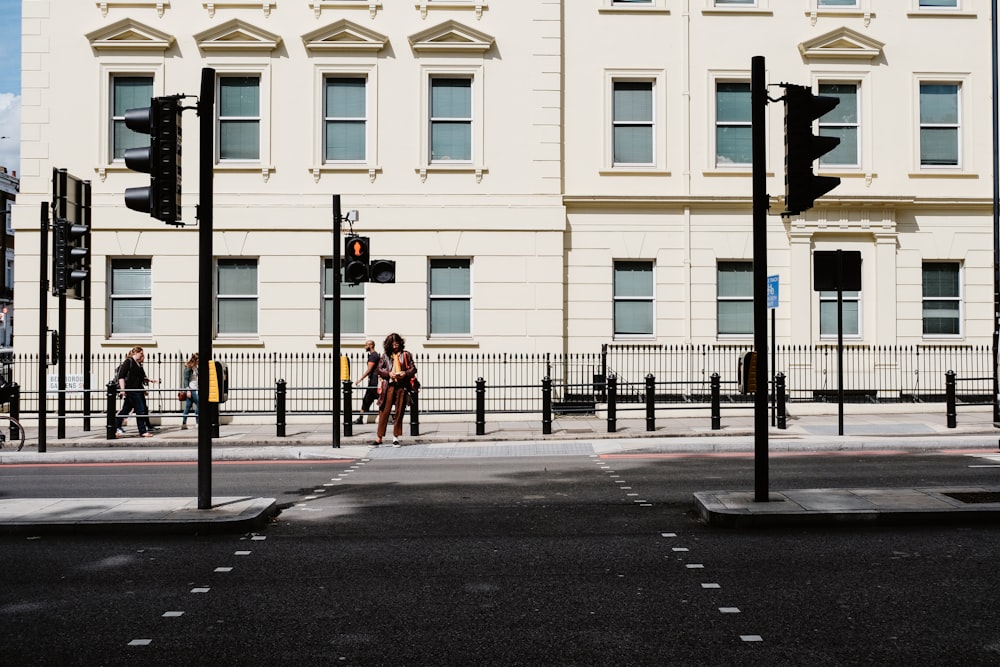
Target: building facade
x,y
549,176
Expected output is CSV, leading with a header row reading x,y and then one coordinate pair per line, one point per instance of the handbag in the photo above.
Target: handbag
x,y
182,396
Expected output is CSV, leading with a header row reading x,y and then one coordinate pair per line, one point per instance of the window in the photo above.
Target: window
x,y
633,122
841,122
451,119
236,301
735,298
128,92
632,2
733,131
939,126
726,3
942,299
837,3
130,297
634,301
352,304
828,313
345,119
239,118
450,297
939,3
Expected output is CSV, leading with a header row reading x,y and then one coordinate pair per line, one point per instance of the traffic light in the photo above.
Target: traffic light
x,y
382,271
356,259
161,120
802,148
77,258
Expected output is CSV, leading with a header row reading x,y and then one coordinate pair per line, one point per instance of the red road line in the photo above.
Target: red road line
x,y
126,464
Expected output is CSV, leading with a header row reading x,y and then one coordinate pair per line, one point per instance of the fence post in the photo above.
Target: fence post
x,y
15,410
715,385
480,406
413,397
650,402
612,383
546,405
345,391
779,390
112,405
279,407
949,390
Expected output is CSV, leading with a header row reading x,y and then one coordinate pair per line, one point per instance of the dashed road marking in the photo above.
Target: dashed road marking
x,y
172,614
140,642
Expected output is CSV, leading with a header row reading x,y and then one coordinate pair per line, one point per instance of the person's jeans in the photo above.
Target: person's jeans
x,y
135,400
192,399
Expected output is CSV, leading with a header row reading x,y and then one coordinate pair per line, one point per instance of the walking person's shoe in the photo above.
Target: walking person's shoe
x,y
395,442
147,434
359,420
120,433
184,427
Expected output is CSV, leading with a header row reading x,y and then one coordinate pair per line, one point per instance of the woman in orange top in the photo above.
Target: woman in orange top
x,y
396,369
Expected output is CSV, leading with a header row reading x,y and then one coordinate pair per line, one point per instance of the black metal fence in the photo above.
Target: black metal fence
x,y
682,374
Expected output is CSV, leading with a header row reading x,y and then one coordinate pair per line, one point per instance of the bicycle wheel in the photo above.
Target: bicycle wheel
x,y
13,435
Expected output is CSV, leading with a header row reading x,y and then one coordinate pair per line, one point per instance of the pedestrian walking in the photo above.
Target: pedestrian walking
x,y
371,393
132,382
191,383
398,373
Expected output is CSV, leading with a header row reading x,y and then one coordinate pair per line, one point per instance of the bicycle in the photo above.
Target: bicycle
x,y
14,436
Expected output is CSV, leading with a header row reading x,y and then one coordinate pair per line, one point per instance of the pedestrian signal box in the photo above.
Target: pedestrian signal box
x,y
748,373
218,382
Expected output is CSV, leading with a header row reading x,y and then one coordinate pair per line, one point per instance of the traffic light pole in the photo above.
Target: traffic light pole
x,y
758,118
337,221
206,158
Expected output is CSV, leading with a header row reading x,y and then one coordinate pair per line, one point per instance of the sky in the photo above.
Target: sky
x,y
10,84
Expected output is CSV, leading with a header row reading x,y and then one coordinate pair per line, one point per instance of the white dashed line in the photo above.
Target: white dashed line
x,y
711,586
751,638
223,569
695,566
668,534
242,553
680,549
140,642
200,590
258,538
172,614
729,610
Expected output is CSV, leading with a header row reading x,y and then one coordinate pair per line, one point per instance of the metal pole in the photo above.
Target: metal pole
x,y
87,324
840,343
60,360
43,321
206,223
996,221
336,317
758,116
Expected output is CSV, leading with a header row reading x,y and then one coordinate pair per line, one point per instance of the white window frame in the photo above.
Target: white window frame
x,y
964,147
720,298
114,297
263,72
371,163
431,298
858,125
353,293
104,148
848,297
619,6
658,79
715,79
477,163
959,299
218,298
649,299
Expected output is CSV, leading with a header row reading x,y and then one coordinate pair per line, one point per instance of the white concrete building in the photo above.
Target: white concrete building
x,y
548,175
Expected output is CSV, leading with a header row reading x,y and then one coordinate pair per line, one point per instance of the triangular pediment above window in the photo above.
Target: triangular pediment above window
x,y
451,36
842,43
237,35
343,35
131,35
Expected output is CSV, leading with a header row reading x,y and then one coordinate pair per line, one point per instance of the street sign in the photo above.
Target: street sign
x,y
772,292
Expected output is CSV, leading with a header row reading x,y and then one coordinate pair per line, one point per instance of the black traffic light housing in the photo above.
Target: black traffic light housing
x,y
356,259
802,148
161,120
70,235
382,271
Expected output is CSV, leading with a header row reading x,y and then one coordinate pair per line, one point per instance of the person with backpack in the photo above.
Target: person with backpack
x,y
398,374
371,393
132,383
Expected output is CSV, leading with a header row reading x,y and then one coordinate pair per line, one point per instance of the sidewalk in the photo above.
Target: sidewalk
x,y
882,427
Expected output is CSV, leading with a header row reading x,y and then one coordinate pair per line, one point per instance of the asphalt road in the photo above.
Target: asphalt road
x,y
529,561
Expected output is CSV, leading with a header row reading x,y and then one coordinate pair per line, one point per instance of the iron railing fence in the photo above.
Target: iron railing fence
x,y
682,373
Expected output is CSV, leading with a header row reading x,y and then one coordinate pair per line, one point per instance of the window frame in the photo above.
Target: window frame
x,y
353,293
957,299
114,297
657,79
857,125
219,298
743,298
717,80
476,163
849,296
370,162
432,298
105,135
649,300
959,126
263,73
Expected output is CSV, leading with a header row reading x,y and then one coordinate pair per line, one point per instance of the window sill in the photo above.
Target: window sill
x,y
237,342
940,13
633,171
454,168
117,340
450,342
734,171
942,173
738,11
346,168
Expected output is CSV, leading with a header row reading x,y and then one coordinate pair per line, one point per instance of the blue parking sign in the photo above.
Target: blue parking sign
x,y
772,292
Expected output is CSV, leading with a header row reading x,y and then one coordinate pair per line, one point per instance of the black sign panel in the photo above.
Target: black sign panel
x,y
829,264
